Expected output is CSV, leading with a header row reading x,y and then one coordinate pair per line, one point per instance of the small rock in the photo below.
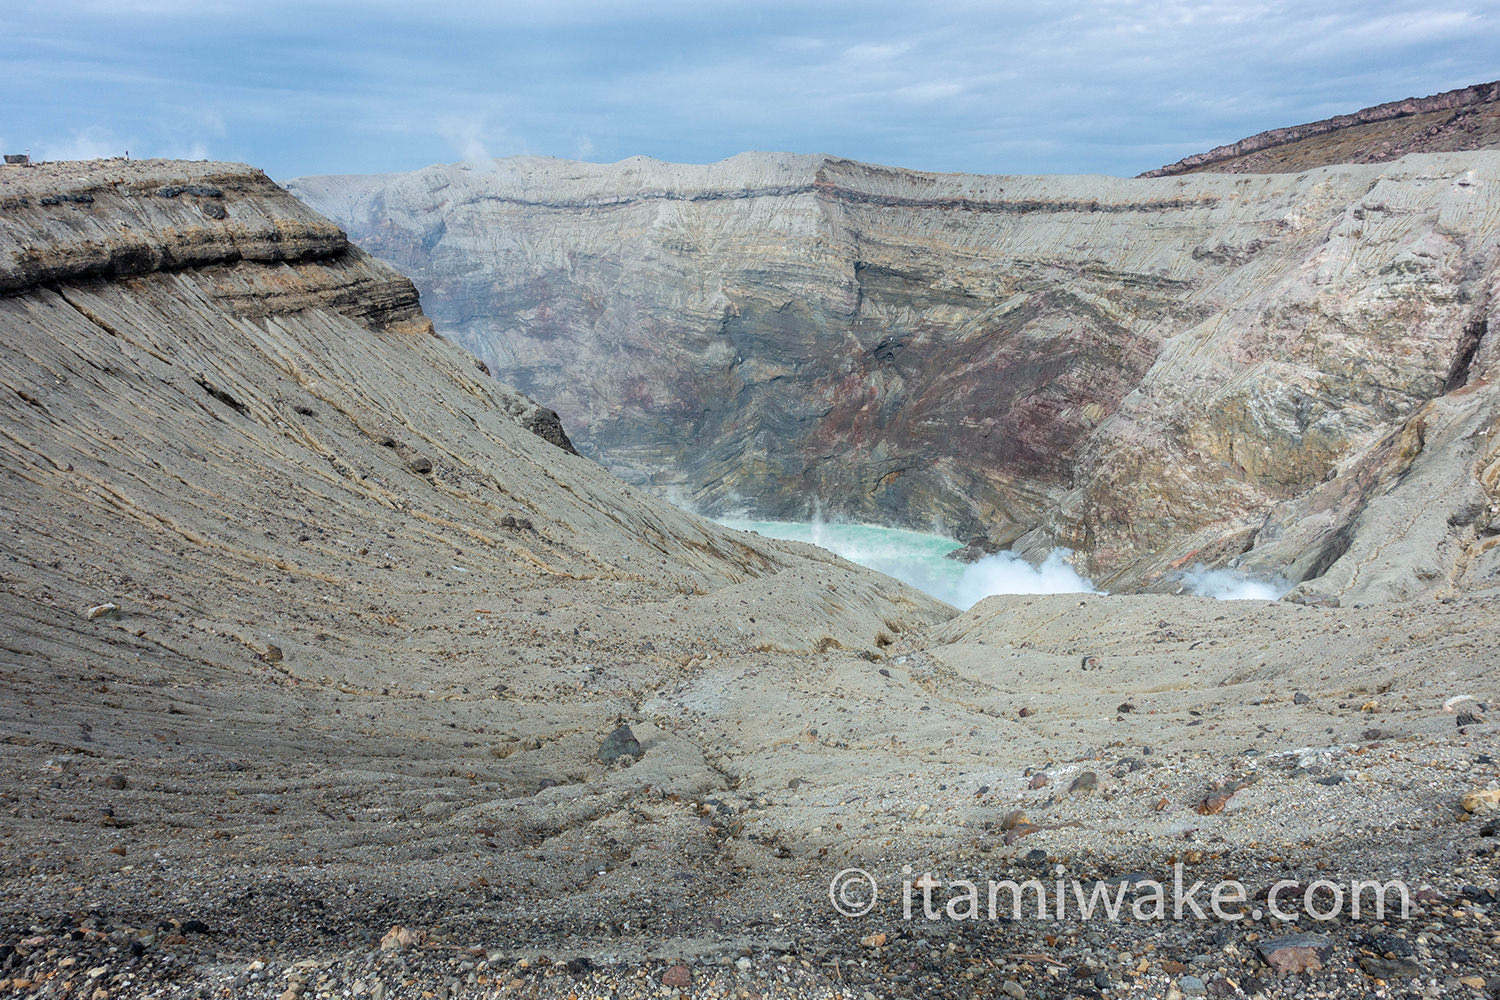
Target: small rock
x,y
116,781
1213,803
1125,708
1040,781
1013,989
620,743
1468,719
420,465
1482,896
1314,600
1296,953
272,654
1218,798
1389,968
742,963
873,940
1192,986
400,937
1023,830
677,977
1482,802
100,610
1301,699
1086,782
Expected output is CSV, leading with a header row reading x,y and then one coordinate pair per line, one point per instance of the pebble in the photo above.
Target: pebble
x,y
1086,782
1296,953
1481,802
1389,968
620,743
1013,989
677,977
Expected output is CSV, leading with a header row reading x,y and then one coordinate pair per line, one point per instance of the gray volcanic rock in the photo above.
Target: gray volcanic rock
x,y
619,743
1154,373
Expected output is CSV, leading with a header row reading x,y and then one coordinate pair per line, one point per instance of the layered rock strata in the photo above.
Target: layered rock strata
x,y
1153,373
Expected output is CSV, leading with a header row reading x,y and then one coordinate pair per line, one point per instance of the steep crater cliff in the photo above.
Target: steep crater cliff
x,y
1153,372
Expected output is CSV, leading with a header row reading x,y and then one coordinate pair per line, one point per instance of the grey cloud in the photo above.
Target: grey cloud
x,y
1111,86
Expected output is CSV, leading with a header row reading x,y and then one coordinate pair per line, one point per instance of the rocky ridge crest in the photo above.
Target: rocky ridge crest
x,y
1461,119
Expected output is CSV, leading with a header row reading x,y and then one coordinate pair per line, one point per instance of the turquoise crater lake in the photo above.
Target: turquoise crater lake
x,y
921,560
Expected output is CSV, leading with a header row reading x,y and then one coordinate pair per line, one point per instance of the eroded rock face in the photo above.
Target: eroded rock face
x,y
1152,372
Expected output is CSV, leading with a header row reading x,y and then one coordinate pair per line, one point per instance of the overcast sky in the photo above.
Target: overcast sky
x,y
1115,86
